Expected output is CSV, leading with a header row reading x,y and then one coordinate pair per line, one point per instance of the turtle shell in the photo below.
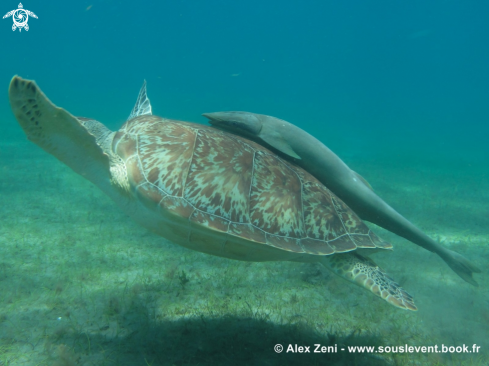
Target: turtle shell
x,y
214,190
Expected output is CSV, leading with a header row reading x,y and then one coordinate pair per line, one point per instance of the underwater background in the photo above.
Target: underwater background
x,y
399,90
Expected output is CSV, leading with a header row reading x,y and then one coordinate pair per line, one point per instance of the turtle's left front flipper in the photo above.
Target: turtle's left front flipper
x,y
75,141
364,272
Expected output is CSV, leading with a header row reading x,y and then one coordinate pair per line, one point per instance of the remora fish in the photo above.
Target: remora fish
x,y
312,155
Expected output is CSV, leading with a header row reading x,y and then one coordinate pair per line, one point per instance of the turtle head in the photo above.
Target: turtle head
x,y
241,123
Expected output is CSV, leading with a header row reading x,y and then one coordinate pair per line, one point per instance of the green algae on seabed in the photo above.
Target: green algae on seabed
x,y
81,284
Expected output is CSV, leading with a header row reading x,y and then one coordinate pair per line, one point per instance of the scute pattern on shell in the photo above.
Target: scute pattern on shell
x,y
275,197
230,184
220,172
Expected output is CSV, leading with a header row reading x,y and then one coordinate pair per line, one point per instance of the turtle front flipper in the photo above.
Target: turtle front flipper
x,y
143,105
77,142
364,272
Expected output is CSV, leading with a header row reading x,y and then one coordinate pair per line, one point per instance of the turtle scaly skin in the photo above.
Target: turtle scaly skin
x,y
209,191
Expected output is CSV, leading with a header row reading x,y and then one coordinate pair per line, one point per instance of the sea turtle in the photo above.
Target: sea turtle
x,y
209,190
20,17
305,150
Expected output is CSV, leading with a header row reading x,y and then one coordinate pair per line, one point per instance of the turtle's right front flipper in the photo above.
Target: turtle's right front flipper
x,y
143,105
364,272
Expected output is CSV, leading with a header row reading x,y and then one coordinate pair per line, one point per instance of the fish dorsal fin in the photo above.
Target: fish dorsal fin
x,y
364,181
143,106
276,140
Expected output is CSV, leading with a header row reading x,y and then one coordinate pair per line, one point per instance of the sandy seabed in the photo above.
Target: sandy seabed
x,y
81,284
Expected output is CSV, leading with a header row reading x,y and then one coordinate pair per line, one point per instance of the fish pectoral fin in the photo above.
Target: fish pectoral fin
x,y
278,142
364,181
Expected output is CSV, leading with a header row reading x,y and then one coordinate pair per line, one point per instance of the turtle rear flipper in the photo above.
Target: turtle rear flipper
x,y
76,142
364,272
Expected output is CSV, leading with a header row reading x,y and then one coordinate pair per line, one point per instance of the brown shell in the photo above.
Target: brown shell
x,y
228,184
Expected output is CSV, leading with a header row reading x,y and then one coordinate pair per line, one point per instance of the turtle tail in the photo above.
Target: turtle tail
x,y
364,272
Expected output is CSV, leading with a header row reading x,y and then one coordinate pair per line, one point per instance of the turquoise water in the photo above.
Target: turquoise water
x,y
398,90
